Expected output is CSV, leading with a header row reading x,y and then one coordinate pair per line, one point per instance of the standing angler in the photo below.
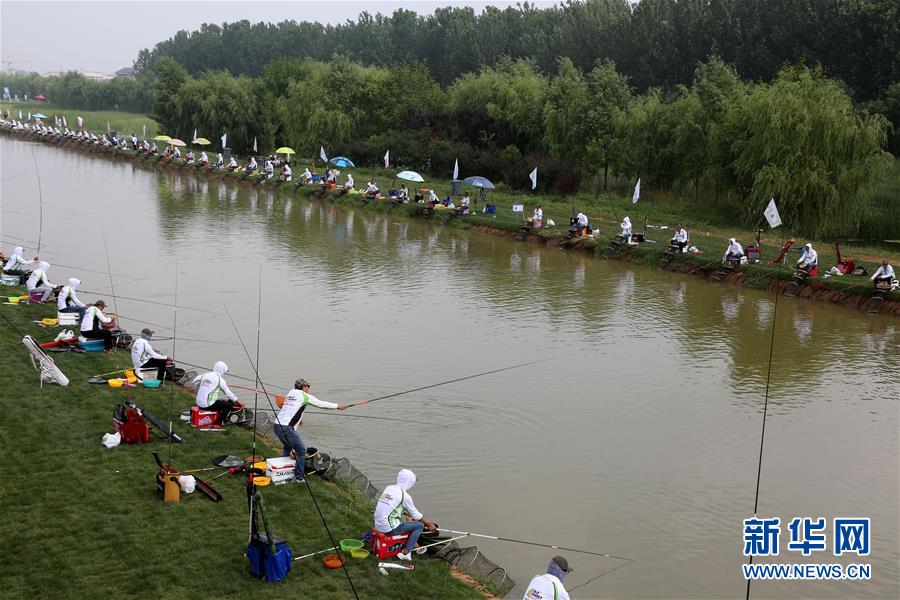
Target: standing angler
x,y
290,417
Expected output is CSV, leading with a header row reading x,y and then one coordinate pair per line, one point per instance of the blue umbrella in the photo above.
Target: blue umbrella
x,y
39,116
479,182
341,161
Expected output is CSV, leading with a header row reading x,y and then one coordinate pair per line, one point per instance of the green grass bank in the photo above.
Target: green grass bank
x,y
94,120
81,521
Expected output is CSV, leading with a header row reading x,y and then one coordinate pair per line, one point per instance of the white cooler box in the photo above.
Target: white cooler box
x,y
281,469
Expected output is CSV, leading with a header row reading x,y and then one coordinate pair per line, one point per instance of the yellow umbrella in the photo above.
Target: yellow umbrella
x,y
202,142
285,150
162,138
176,142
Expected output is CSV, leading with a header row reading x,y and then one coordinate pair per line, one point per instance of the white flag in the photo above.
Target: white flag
x,y
80,123
108,128
20,115
772,215
518,208
254,144
29,115
456,169
194,139
533,178
144,127
637,192
387,159
322,154
224,139
65,123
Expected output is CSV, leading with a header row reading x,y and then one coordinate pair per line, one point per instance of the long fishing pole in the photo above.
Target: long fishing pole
x,y
278,422
530,543
256,393
762,437
427,387
156,302
109,270
41,203
174,334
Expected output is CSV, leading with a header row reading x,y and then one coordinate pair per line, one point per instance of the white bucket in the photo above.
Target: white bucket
x,y
9,279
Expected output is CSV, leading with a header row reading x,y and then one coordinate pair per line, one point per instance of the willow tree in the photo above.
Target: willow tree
x,y
801,140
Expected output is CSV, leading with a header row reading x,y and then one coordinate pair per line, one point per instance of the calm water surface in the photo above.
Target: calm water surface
x,y
639,438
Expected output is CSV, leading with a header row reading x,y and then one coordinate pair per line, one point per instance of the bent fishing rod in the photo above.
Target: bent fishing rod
x,y
427,387
530,543
278,422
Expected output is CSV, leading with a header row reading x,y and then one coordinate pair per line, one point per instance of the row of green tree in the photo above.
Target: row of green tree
x,y
655,43
76,91
798,138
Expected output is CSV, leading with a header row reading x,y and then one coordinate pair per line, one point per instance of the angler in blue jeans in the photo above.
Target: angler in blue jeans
x,y
394,501
289,418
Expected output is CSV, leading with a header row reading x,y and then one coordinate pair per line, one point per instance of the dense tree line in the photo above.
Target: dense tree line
x,y
798,138
74,90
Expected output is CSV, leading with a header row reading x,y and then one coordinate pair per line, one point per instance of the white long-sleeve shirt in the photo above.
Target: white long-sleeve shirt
x,y
809,256
883,272
394,500
93,316
37,278
142,351
546,587
295,402
211,385
581,219
17,262
67,297
681,235
734,248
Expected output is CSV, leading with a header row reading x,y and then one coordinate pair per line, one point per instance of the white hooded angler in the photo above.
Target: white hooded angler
x,y
626,229
210,385
143,356
38,282
734,251
394,500
810,257
17,263
67,301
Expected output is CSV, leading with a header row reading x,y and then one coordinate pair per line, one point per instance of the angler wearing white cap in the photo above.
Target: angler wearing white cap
x,y
38,282
549,586
67,301
626,229
393,502
291,416
17,263
143,356
210,386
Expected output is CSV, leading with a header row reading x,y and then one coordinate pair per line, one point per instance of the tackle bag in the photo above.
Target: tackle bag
x,y
264,564
131,425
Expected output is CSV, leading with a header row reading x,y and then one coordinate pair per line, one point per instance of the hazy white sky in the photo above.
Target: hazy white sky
x,y
107,35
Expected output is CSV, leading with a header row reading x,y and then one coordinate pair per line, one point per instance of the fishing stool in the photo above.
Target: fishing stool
x,y
204,419
35,297
67,318
388,546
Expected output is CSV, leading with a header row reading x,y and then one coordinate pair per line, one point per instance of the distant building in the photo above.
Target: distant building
x,y
52,74
125,72
97,76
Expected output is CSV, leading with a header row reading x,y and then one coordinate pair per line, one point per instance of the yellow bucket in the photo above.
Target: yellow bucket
x,y
49,322
261,481
13,299
116,383
260,465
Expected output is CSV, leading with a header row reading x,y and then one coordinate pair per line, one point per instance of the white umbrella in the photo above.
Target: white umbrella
x,y
410,176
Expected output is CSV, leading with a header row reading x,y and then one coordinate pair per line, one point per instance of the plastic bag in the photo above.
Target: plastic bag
x,y
187,483
111,440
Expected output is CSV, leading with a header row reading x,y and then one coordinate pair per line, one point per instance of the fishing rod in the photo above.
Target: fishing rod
x,y
426,387
174,335
111,287
530,543
278,422
41,203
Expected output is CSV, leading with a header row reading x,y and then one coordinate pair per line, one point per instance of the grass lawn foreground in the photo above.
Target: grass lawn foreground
x,y
81,521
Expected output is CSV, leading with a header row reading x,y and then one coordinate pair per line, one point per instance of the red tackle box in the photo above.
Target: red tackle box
x,y
388,546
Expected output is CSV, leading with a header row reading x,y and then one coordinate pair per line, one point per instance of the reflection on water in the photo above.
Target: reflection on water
x,y
639,438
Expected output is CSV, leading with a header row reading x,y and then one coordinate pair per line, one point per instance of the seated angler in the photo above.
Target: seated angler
x,y
210,385
286,173
348,185
372,190
143,356
17,263
252,166
92,325
220,160
204,159
884,276
67,301
626,229
38,282
734,252
680,239
233,164
393,502
809,260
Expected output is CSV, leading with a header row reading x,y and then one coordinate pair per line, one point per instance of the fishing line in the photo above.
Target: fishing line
x,y
426,387
762,437
277,421
539,544
111,287
156,302
17,175
41,203
607,572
